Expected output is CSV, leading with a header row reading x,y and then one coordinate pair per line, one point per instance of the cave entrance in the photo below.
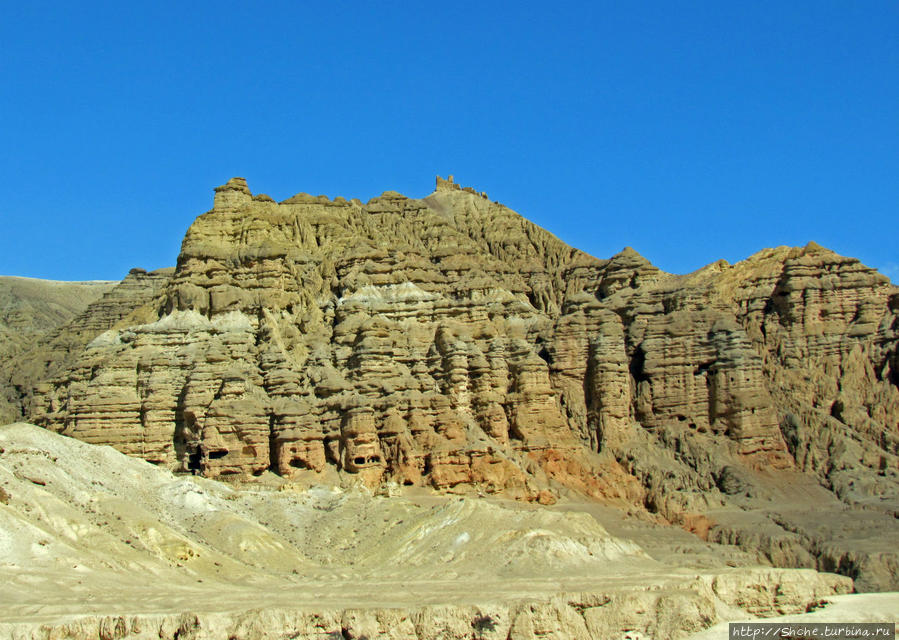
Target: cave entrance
x,y
194,460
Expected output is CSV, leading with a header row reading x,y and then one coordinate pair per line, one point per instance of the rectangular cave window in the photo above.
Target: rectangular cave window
x,y
214,455
359,460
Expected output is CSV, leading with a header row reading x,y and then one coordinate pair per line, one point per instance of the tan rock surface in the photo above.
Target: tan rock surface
x,y
31,306
839,609
253,562
54,342
30,309
448,342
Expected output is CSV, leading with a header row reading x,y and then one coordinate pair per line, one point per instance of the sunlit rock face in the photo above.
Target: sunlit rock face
x,y
449,342
45,324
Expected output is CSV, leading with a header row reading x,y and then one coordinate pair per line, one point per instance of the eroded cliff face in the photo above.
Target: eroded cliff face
x,y
449,342
31,310
45,335
400,340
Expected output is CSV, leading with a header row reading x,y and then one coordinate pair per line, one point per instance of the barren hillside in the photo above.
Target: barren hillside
x,y
448,344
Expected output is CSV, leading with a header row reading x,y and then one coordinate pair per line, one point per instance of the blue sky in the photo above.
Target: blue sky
x,y
691,131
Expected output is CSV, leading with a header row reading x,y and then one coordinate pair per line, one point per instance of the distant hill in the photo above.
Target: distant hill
x,y
44,324
30,309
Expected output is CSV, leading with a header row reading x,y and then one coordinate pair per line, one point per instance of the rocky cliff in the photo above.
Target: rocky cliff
x,y
46,325
448,342
30,309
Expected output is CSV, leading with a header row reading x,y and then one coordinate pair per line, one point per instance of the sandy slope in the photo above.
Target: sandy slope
x,y
86,531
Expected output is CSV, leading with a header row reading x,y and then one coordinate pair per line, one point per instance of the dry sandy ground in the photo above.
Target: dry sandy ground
x,y
860,607
86,531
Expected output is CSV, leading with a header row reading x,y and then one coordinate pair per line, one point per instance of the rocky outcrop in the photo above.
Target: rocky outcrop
x,y
31,307
393,340
449,342
99,306
674,612
30,310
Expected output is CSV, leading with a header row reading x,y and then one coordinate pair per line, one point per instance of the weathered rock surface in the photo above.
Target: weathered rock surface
x,y
450,343
859,608
251,562
30,309
673,612
54,321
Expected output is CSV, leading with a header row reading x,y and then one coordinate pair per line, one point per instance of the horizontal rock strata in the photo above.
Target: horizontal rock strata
x,y
30,309
98,307
449,342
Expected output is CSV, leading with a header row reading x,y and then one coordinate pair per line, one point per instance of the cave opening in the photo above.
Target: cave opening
x,y
637,364
194,460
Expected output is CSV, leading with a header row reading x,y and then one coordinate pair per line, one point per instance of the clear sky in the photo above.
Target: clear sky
x,y
691,131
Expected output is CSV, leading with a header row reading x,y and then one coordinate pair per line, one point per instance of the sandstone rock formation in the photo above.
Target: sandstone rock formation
x,y
47,325
30,309
449,342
